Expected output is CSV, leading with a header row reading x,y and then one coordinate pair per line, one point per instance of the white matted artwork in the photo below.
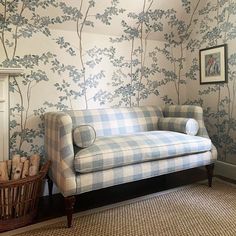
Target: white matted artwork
x,y
213,64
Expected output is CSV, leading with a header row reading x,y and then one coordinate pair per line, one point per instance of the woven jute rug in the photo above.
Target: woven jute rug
x,y
192,210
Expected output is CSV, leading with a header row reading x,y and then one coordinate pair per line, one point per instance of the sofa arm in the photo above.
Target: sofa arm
x,y
59,149
179,124
188,111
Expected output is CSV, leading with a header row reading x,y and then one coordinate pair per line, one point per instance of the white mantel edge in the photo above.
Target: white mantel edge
x,y
5,74
11,71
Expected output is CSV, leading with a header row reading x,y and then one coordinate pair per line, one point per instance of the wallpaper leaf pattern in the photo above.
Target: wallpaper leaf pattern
x,y
80,69
216,25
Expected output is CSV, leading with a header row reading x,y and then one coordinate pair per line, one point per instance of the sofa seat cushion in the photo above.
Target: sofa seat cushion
x,y
114,151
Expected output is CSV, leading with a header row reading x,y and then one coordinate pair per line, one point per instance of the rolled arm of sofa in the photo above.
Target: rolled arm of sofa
x,y
190,111
179,124
59,149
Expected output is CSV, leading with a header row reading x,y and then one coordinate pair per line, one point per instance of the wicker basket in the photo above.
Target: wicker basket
x,y
19,200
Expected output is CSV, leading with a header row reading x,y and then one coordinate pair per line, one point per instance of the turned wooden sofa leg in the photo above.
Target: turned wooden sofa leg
x,y
210,169
50,186
69,207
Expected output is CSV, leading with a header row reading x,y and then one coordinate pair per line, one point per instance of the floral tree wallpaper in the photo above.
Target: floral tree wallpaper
x,y
102,53
215,25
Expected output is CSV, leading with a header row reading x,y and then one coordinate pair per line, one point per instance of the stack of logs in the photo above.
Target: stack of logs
x,y
19,167
17,200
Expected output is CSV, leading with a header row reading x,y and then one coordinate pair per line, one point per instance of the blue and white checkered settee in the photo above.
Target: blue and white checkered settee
x,y
128,147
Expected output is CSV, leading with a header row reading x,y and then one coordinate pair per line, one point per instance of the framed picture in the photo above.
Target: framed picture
x,y
213,64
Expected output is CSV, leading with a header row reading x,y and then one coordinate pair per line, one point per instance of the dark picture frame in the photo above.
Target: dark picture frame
x,y
213,64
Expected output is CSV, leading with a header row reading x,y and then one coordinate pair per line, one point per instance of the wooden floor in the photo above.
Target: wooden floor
x,y
52,208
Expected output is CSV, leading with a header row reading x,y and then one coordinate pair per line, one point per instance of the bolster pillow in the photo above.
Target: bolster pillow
x,y
84,136
183,125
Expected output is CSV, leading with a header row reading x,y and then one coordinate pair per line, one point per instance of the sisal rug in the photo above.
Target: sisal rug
x,y
192,210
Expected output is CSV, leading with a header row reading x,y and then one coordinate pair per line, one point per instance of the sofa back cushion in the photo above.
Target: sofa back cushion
x,y
116,121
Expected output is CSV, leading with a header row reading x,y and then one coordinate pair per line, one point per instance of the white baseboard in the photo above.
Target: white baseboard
x,y
225,169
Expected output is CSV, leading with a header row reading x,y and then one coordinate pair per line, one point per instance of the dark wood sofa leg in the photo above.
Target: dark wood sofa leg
x,y
210,169
69,207
50,186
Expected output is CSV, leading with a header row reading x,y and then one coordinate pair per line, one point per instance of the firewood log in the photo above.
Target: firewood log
x,y
23,159
15,163
25,172
18,171
9,165
3,171
16,193
4,194
34,161
34,165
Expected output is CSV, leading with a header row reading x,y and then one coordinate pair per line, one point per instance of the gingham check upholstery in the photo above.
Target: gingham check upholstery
x,y
187,111
59,147
102,179
190,111
114,151
84,136
117,121
178,124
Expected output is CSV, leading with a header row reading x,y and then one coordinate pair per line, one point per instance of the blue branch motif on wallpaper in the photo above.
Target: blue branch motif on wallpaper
x,y
88,54
216,25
